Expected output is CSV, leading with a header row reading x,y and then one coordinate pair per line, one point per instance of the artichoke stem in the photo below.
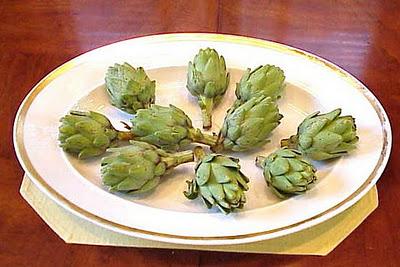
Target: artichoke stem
x,y
206,116
206,109
125,136
217,148
203,138
290,142
179,158
198,153
259,161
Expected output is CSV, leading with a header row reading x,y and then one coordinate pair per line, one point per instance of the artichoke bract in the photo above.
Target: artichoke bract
x,y
286,172
324,136
247,126
218,181
86,134
207,79
265,80
167,127
137,168
129,88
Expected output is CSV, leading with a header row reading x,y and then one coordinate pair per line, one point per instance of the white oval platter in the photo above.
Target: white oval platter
x,y
312,84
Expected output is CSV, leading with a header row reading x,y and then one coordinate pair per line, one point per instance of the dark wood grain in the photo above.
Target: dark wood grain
x,y
363,37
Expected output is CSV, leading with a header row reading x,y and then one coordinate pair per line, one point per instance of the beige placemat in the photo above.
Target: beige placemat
x,y
318,240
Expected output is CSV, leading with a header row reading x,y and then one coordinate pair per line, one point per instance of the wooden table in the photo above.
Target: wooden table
x,y
363,37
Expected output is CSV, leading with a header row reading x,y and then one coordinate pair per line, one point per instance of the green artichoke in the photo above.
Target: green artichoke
x,y
207,79
167,127
137,168
324,136
265,80
129,89
87,134
219,181
248,125
286,172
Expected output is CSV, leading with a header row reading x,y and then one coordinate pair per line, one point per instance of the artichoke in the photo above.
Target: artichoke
x,y
207,79
248,125
167,127
129,89
265,80
137,168
87,134
324,136
219,181
286,172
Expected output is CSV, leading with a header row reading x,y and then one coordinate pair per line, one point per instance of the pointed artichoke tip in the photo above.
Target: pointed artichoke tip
x,y
336,112
199,153
219,144
215,148
285,142
259,161
290,142
82,156
80,113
